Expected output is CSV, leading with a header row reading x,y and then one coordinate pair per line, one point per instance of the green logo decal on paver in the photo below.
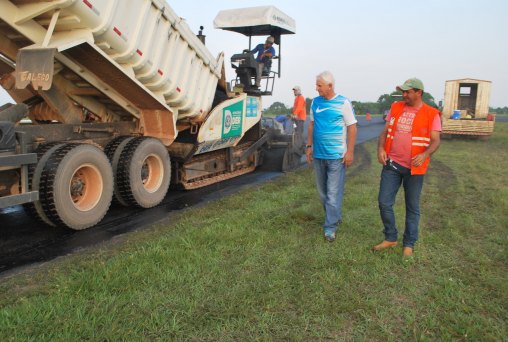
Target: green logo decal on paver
x,y
232,120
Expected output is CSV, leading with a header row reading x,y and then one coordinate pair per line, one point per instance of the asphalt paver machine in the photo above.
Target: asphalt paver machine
x,y
285,147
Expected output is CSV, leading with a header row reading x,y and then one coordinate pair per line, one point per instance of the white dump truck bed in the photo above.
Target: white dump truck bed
x,y
144,39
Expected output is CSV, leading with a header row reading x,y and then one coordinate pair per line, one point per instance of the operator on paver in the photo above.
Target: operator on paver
x,y
264,58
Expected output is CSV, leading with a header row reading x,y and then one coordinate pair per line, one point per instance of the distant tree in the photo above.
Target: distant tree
x,y
499,110
278,108
359,107
362,108
385,101
429,99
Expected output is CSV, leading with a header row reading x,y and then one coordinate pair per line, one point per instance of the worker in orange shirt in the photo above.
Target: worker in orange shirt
x,y
299,111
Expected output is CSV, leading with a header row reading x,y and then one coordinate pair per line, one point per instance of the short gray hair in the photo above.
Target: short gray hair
x,y
327,77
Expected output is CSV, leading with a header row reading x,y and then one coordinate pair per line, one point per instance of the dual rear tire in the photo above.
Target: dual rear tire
x,y
77,182
142,170
75,187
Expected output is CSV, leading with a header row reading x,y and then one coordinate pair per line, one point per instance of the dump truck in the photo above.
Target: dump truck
x,y
466,108
117,103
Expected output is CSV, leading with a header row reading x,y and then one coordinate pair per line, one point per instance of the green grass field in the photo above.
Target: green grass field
x,y
254,266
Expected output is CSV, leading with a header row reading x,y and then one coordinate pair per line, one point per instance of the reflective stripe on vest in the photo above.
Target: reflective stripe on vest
x,y
422,126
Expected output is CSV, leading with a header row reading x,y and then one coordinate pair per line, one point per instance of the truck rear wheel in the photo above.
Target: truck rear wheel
x,y
114,150
44,152
77,186
144,172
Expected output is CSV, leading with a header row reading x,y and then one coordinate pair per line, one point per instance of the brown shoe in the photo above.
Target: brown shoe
x,y
385,244
407,252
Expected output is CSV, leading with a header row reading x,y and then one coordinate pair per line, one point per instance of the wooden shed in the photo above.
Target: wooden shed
x,y
471,98
468,95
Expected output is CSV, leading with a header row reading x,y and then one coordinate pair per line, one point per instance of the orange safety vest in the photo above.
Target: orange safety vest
x,y
420,139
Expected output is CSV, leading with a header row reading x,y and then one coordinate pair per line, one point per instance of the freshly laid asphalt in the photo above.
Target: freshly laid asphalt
x,y
24,242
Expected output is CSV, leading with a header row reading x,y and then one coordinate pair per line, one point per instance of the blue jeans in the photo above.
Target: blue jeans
x,y
392,176
330,179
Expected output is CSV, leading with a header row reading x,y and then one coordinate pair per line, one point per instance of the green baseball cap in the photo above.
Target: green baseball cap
x,y
412,83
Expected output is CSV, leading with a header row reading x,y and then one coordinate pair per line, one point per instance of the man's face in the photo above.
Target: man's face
x,y
412,96
323,88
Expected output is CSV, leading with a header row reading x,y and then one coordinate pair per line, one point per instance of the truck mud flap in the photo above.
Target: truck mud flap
x,y
36,66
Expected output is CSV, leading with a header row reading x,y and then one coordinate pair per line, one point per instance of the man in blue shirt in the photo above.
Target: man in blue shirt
x,y
330,146
264,58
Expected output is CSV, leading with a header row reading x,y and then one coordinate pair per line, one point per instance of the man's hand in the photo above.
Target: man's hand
x,y
348,158
308,154
382,157
419,158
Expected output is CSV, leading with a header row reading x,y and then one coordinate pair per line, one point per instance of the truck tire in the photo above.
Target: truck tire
x,y
34,209
113,151
77,186
144,172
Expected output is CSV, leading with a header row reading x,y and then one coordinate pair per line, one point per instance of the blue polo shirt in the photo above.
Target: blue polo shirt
x,y
260,48
331,118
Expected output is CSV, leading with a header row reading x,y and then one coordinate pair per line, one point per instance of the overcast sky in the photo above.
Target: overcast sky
x,y
371,46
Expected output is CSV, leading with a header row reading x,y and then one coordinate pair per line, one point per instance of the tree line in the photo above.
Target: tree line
x,y
499,110
383,104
